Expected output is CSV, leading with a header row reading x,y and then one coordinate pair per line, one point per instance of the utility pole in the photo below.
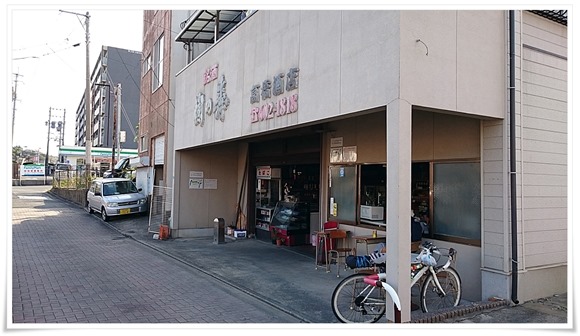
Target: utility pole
x,y
118,121
88,105
114,135
47,145
63,124
14,95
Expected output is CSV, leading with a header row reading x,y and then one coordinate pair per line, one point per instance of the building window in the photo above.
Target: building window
x,y
146,65
457,202
143,143
445,196
157,79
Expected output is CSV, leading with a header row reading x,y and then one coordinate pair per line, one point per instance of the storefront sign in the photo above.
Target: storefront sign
x,y
264,173
205,106
210,184
336,142
274,107
343,154
195,183
196,174
336,155
349,154
32,170
210,74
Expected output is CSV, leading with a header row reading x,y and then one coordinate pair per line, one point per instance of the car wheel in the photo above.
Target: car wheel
x,y
104,215
88,208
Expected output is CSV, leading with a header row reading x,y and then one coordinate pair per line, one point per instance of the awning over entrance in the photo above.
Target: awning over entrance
x,y
207,26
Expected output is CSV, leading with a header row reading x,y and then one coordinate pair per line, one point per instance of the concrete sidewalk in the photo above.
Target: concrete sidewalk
x,y
286,278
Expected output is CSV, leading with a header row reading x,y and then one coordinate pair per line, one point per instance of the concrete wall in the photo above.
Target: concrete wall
x,y
78,196
459,65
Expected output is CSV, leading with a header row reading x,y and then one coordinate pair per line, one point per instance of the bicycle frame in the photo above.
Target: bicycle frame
x,y
350,302
378,279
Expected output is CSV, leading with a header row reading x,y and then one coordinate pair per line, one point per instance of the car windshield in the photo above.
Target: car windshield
x,y
118,188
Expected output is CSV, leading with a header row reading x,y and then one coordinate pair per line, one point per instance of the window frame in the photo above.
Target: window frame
x,y
157,66
143,143
433,229
381,225
146,65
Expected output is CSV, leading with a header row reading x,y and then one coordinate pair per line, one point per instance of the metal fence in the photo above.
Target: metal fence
x,y
160,208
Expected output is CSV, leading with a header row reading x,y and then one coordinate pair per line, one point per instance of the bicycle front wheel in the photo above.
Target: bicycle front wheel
x,y
432,299
353,301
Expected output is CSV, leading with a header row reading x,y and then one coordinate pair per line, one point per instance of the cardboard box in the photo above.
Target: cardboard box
x,y
239,234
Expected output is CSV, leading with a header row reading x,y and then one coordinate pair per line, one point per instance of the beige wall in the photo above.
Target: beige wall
x,y
198,208
343,68
436,136
460,63
349,61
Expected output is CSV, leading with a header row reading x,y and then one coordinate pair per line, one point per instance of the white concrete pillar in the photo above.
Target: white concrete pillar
x,y
398,238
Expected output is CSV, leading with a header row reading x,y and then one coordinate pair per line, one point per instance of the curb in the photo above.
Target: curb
x,y
461,311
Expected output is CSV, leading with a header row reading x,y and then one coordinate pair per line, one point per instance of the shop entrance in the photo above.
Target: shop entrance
x,y
287,203
285,199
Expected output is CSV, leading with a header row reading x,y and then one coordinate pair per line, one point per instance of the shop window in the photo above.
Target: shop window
x,y
373,189
457,201
301,182
420,191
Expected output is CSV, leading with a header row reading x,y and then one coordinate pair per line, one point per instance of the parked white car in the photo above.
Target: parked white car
x,y
115,197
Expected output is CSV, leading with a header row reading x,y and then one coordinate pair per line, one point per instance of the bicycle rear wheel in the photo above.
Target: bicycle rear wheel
x,y
432,299
349,304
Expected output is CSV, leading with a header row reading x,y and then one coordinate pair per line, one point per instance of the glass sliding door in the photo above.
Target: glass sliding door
x,y
343,193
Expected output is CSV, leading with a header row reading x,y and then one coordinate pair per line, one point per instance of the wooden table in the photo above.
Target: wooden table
x,y
368,240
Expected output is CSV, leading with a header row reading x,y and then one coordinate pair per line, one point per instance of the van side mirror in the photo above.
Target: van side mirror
x,y
97,193
140,189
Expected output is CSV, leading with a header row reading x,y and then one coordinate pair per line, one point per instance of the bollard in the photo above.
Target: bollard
x,y
219,231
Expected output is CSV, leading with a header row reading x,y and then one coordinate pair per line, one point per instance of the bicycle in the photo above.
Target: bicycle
x,y
361,297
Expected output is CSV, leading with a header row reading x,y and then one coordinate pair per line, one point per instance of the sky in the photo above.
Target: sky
x,y
52,71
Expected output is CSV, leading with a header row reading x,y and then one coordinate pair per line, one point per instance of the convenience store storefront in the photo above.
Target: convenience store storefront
x,y
101,156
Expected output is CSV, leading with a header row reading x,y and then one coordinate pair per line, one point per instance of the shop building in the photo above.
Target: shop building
x,y
368,116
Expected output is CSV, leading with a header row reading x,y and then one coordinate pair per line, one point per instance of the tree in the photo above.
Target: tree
x,y
20,155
